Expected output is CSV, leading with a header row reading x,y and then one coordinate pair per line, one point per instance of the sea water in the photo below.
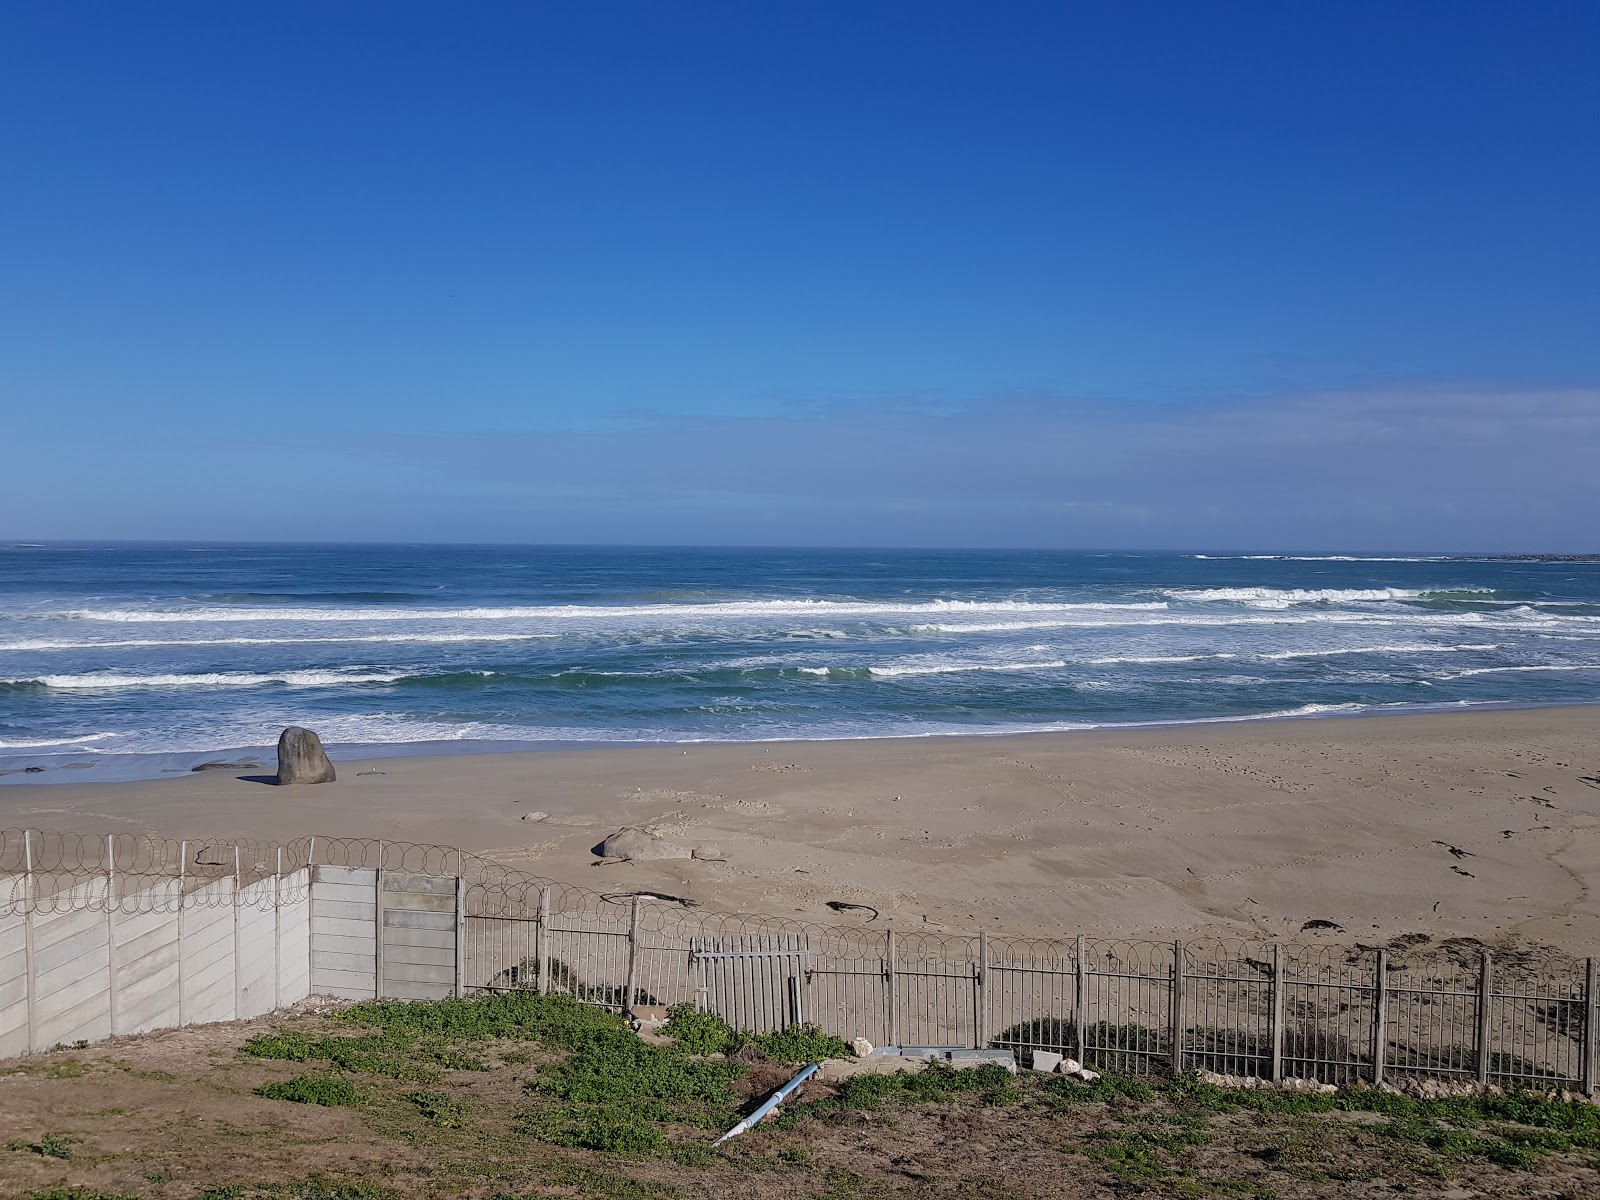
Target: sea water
x,y
132,659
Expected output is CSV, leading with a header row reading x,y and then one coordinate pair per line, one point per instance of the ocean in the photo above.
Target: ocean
x,y
130,660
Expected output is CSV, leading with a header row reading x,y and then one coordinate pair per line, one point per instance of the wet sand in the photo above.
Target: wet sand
x,y
1460,824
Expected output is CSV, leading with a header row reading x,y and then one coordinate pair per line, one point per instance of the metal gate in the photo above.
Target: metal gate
x,y
754,982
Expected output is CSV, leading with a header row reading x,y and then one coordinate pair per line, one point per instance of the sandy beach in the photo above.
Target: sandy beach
x,y
1462,824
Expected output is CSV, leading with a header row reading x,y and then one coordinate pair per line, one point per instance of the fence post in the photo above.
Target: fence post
x,y
633,957
541,945
1080,1000
1485,979
1589,1031
30,964
377,926
277,931
461,931
1175,1016
238,957
183,963
111,930
890,988
981,1016
1277,1012
1380,1018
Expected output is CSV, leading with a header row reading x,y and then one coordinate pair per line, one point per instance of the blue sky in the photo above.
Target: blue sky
x,y
1177,275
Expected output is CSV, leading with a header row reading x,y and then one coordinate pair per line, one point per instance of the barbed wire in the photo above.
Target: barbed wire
x,y
51,871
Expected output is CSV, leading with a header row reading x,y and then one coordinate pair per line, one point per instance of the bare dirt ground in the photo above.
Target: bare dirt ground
x,y
175,1115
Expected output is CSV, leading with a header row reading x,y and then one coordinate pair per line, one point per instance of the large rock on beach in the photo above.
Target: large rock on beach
x,y
301,758
632,844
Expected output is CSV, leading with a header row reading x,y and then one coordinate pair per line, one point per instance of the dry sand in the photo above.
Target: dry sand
x,y
1467,824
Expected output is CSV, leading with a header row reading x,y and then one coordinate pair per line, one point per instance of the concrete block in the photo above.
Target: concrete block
x,y
344,927
322,960
836,1069
399,918
418,902
343,875
354,910
431,956
439,885
1047,1062
396,936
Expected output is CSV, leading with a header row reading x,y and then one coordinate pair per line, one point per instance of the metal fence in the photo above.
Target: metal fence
x,y
1271,1011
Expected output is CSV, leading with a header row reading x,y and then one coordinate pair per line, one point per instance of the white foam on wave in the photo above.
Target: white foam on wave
x,y
364,639
1282,597
1336,651
40,744
1140,660
1520,669
103,680
958,668
1321,558
568,612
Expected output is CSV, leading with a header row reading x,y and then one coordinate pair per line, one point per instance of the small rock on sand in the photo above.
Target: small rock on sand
x,y
535,816
632,844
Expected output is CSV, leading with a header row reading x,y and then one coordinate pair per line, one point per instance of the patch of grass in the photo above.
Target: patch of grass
x,y
554,1020
1106,1089
67,1068
317,1187
62,1191
706,1033
49,1145
147,1075
439,1108
619,1127
331,1091
599,1183
1513,1129
988,1084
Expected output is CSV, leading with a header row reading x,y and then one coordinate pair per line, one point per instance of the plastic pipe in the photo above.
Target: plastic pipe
x,y
772,1102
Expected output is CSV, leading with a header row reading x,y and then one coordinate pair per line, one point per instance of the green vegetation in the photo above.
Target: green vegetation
x,y
439,1108
588,1095
315,1188
332,1091
615,1089
706,1033
49,1145
62,1191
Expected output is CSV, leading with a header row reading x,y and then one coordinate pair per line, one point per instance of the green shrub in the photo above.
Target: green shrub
x,y
329,1090
699,1033
801,1044
990,1083
706,1033
1107,1088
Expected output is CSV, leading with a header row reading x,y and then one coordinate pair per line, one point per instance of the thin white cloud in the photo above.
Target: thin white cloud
x,y
1453,468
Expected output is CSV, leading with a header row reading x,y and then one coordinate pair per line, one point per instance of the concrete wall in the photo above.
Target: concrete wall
x,y
415,959
73,967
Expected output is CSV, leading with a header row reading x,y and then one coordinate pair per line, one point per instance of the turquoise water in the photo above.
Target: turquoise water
x,y
133,656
